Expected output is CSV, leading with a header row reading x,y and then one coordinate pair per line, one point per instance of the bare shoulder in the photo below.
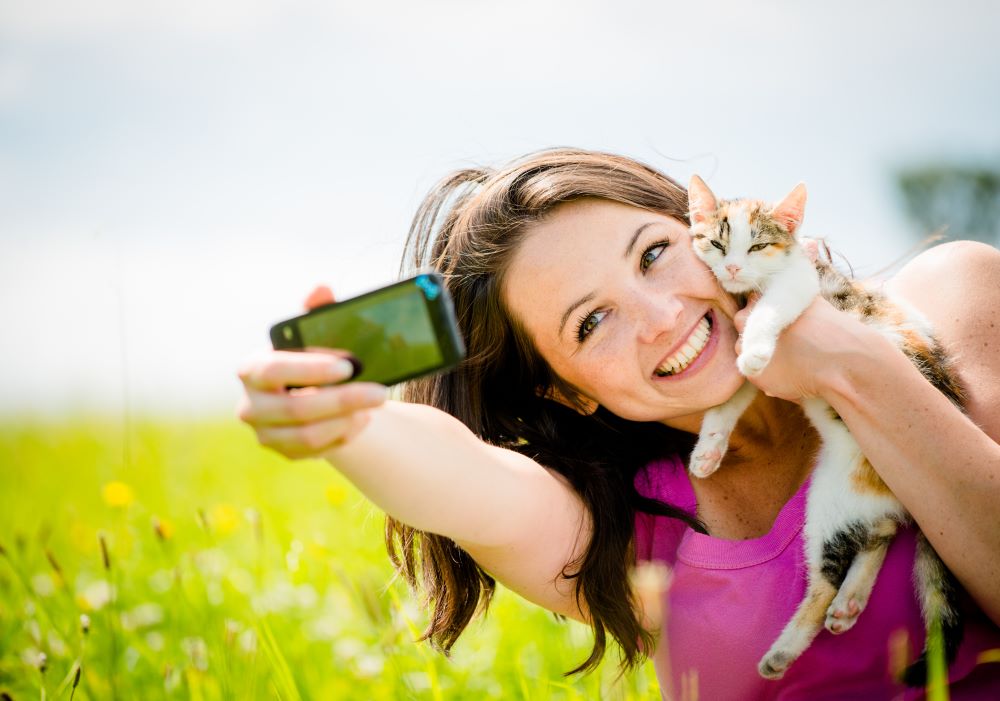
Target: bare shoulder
x,y
957,286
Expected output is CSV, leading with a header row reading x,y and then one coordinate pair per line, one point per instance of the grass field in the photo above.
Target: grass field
x,y
173,560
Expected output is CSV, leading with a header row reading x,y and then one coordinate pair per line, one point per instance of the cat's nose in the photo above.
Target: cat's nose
x,y
733,269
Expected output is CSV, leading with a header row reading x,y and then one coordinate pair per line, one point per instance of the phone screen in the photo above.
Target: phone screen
x,y
391,331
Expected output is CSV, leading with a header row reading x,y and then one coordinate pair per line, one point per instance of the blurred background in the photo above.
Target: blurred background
x,y
175,176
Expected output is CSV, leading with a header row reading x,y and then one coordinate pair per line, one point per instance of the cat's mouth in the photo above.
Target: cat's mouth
x,y
678,361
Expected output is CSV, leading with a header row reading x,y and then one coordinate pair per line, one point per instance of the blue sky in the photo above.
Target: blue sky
x,y
175,176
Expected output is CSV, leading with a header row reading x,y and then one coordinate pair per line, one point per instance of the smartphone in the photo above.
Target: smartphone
x,y
397,333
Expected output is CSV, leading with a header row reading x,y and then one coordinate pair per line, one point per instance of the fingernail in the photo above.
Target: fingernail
x,y
355,365
343,369
376,393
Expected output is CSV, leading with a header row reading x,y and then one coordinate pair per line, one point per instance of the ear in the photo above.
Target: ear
x,y
589,406
701,201
790,211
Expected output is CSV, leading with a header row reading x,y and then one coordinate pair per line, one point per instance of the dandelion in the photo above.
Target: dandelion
x,y
650,581
95,597
899,652
253,518
197,652
163,529
336,494
232,629
42,584
248,641
224,518
142,616
117,494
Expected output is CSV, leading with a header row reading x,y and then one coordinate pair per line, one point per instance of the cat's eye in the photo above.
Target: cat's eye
x,y
758,247
719,245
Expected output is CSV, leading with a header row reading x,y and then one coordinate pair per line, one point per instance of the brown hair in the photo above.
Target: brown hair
x,y
468,228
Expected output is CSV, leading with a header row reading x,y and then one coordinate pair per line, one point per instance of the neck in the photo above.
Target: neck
x,y
772,432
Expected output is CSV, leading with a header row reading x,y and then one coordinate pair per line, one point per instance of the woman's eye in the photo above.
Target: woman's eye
x,y
587,324
651,254
758,247
719,246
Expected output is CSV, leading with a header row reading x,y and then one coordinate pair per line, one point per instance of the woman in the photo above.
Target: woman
x,y
574,282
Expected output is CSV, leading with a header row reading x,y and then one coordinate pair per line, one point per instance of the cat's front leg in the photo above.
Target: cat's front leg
x,y
786,297
716,427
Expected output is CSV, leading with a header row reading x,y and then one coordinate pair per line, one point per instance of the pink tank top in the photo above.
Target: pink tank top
x,y
729,600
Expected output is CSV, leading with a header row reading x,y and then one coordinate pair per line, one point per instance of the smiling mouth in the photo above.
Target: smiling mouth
x,y
687,353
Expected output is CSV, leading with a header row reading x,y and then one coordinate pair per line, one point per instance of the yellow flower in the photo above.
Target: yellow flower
x,y
336,493
224,518
117,494
163,528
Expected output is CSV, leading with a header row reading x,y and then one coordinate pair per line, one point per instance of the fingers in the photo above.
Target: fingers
x,y
315,438
740,318
320,295
281,369
811,247
309,405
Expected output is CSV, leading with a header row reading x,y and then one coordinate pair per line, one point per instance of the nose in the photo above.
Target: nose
x,y
658,314
733,269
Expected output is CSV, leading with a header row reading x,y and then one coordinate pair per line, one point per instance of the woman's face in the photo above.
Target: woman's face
x,y
619,306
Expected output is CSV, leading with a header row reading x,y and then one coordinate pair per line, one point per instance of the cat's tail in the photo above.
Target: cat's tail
x,y
938,592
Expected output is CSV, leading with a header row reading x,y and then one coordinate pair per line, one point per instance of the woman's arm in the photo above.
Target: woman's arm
x,y
518,520
942,464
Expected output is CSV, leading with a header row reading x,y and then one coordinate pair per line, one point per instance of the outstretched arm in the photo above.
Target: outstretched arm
x,y
518,520
942,464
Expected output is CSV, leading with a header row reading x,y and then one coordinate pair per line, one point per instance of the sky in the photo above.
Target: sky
x,y
176,176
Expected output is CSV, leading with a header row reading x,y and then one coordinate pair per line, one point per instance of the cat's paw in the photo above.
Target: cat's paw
x,y
754,358
705,463
774,664
707,454
843,613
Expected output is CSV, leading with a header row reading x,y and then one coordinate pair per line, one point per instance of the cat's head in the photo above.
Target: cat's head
x,y
744,241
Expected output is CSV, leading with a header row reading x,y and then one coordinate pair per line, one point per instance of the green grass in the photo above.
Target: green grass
x,y
233,573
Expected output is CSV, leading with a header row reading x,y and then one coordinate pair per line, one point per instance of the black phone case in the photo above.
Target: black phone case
x,y
285,334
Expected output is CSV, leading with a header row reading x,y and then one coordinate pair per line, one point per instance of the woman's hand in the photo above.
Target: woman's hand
x,y
810,350
318,414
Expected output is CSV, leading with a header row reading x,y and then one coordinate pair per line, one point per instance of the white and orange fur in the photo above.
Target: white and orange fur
x,y
851,516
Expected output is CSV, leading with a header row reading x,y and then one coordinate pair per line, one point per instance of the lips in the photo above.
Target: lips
x,y
689,350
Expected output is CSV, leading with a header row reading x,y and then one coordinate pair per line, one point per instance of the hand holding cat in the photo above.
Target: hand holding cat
x,y
811,353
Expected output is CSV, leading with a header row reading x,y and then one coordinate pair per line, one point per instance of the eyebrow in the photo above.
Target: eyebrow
x,y
590,295
635,237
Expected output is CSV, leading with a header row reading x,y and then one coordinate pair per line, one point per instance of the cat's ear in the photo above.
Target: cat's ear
x,y
790,211
701,201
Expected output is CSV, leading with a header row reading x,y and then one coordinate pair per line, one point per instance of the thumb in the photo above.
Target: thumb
x,y
320,295
740,318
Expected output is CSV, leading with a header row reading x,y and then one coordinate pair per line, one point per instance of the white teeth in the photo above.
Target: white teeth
x,y
689,351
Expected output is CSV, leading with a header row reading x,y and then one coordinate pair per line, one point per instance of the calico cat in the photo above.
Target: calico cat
x,y
851,516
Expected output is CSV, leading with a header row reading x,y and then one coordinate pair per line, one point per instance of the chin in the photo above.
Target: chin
x,y
738,286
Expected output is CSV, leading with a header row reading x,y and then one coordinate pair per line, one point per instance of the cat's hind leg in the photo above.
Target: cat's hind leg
x,y
801,629
857,587
716,427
